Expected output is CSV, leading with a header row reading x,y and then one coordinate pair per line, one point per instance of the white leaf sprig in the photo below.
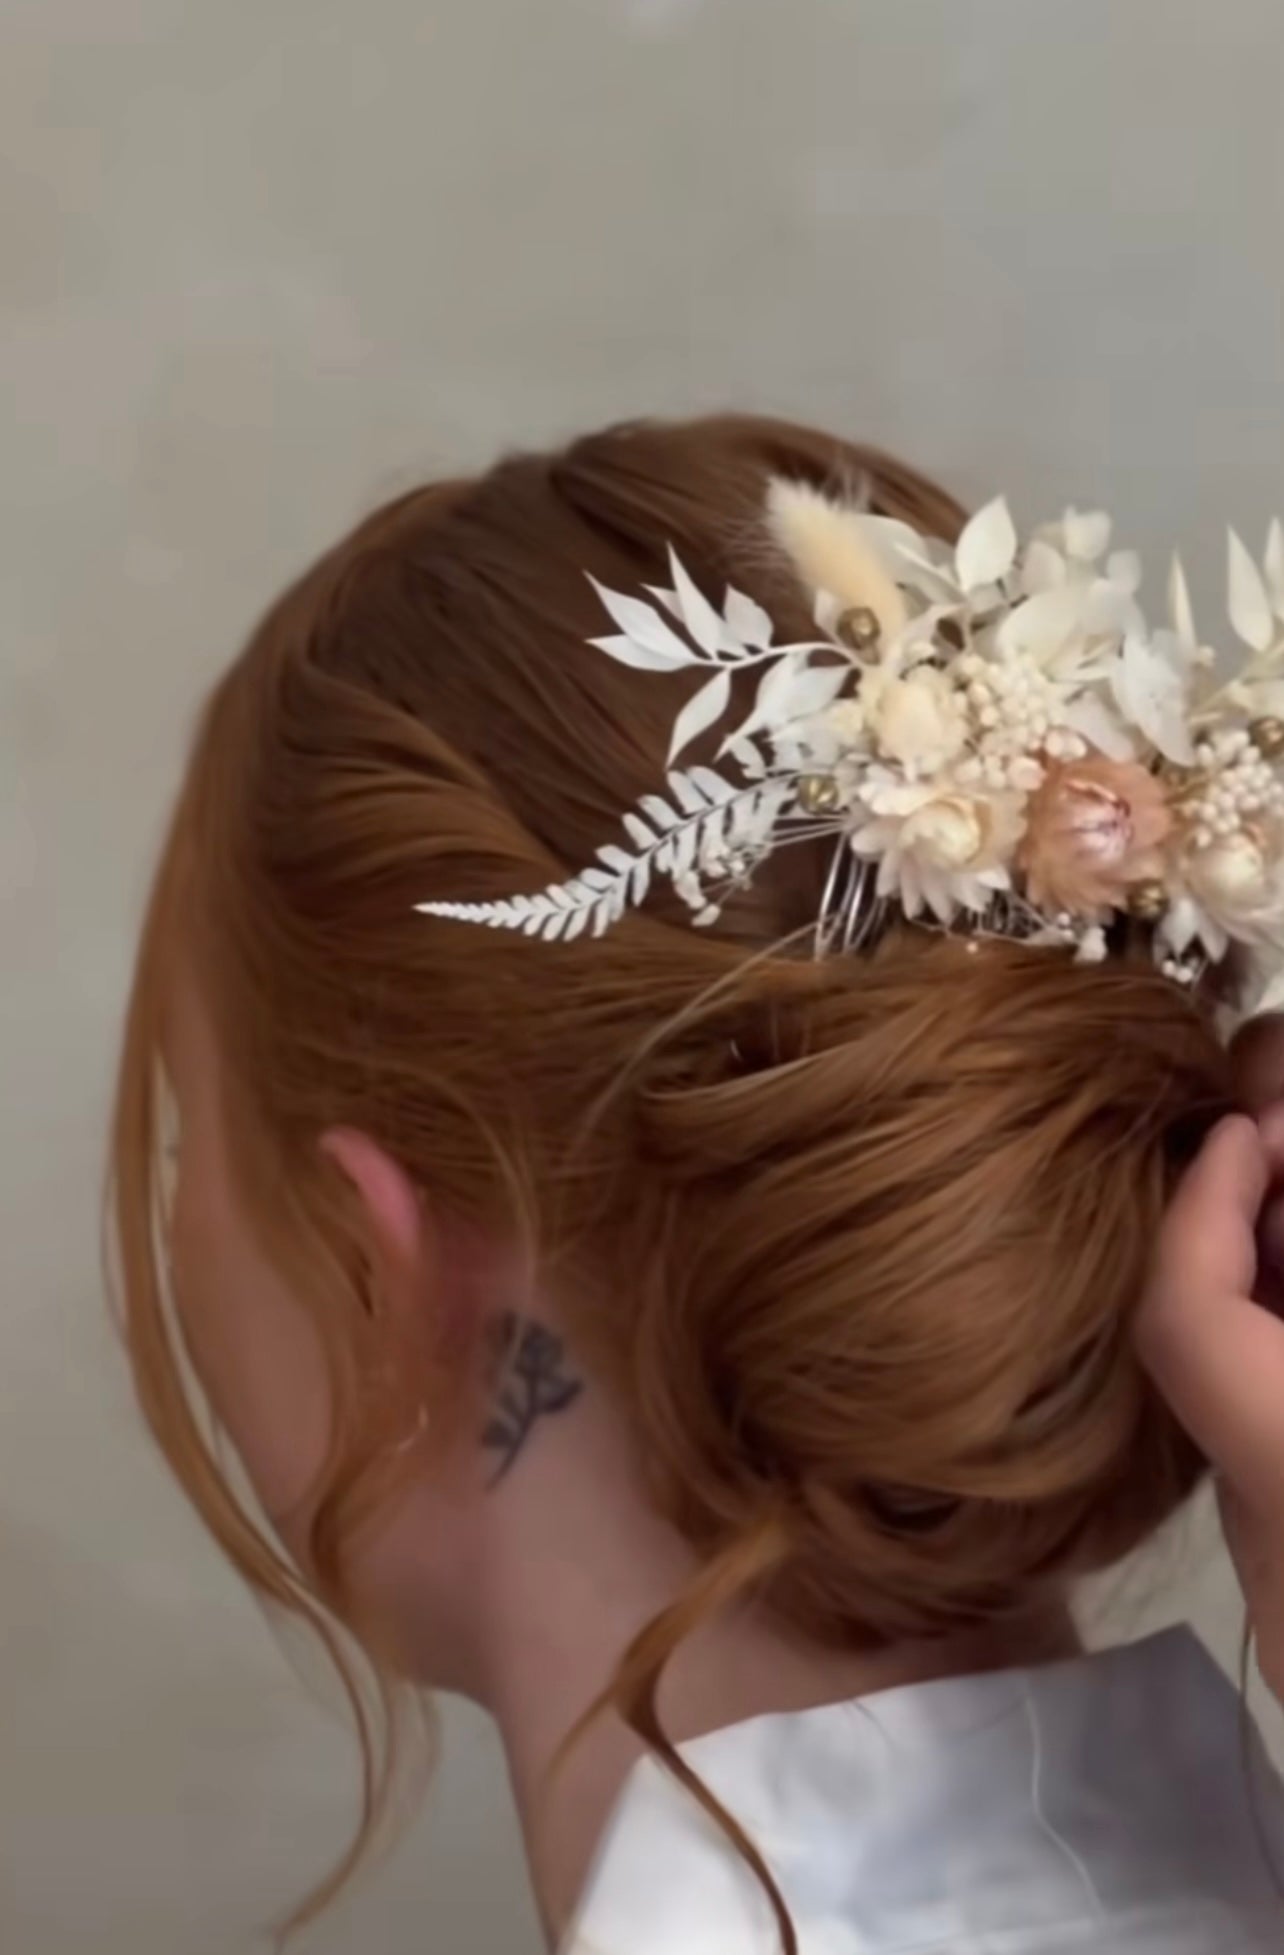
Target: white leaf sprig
x,y
1274,566
1250,605
987,548
703,710
693,835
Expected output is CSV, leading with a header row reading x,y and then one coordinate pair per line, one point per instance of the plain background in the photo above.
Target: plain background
x,y
263,263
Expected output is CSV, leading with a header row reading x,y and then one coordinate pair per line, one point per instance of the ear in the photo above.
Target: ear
x,y
438,1280
393,1211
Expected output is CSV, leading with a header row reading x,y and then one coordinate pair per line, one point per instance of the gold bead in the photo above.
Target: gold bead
x,y
1147,901
1267,736
860,628
818,794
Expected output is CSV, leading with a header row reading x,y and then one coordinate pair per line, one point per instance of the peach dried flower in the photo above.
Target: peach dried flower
x,y
1095,827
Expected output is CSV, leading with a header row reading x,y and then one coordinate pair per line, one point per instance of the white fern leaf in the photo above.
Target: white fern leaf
x,y
1086,534
637,830
712,785
814,688
1152,695
773,687
778,685
746,756
1181,612
712,839
746,621
647,641
685,792
1250,607
685,843
695,610
987,548
703,710
742,821
1041,627
755,813
712,812
628,650
658,810
1274,566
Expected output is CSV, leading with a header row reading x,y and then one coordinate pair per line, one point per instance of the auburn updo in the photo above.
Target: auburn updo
x,y
884,1219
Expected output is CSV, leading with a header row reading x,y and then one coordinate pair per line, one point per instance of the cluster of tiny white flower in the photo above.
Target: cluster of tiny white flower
x,y
1238,786
1017,773
1016,707
1185,971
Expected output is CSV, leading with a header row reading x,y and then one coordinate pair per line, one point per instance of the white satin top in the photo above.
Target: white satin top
x,y
1103,1806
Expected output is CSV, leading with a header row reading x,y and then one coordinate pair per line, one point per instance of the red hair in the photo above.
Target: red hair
x,y
887,1216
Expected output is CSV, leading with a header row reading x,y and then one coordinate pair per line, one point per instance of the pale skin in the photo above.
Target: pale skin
x,y
1211,1333
517,1571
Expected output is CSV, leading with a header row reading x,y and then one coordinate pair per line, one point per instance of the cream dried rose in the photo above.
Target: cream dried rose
x,y
939,847
1238,881
948,832
845,720
1094,828
1232,873
918,719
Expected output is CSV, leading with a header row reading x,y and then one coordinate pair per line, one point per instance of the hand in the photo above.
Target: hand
x,y
1210,1335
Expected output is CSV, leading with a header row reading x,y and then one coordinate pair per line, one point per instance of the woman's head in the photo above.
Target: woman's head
x,y
851,1245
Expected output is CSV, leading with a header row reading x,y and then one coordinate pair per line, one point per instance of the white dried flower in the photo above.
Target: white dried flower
x,y
939,846
918,719
1022,722
846,720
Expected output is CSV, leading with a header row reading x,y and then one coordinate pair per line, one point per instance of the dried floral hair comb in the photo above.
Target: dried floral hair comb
x,y
992,734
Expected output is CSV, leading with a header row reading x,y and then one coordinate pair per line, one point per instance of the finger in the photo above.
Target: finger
x,y
1206,1256
1270,1227
1223,1375
1208,1239
1217,1357
1257,1061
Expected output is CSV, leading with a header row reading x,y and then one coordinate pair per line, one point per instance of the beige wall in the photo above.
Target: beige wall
x,y
261,263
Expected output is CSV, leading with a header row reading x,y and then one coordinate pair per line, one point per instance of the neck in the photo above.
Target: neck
x,y
559,1615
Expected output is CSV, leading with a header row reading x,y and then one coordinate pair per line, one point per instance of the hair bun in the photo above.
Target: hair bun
x,y
902,1262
